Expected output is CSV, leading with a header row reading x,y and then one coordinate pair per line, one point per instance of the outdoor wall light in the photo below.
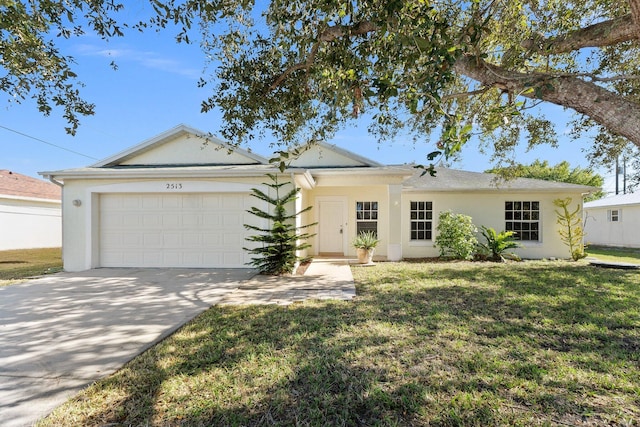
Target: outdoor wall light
x,y
77,202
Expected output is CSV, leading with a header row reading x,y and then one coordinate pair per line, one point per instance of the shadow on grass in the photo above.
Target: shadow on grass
x,y
439,346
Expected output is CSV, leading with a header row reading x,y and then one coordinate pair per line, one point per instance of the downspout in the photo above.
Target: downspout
x,y
61,185
53,180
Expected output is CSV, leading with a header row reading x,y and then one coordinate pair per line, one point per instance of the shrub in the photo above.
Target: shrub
x,y
497,243
572,232
456,236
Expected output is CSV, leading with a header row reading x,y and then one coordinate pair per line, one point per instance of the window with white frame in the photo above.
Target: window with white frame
x,y
366,217
614,215
421,220
523,218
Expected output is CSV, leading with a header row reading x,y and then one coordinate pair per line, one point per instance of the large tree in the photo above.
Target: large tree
x,y
31,63
302,69
309,67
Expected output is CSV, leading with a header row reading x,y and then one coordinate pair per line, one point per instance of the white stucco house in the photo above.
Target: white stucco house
x,y
173,202
613,221
30,212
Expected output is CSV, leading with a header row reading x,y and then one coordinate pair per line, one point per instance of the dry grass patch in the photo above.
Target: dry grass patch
x,y
423,344
23,263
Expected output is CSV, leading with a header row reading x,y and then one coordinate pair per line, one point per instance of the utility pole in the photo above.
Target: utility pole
x,y
624,174
617,175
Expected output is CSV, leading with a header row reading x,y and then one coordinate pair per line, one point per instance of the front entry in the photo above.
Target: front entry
x,y
331,226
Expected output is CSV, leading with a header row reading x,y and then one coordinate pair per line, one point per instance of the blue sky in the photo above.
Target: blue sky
x,y
155,89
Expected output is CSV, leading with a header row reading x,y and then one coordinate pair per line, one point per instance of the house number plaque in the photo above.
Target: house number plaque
x,y
174,186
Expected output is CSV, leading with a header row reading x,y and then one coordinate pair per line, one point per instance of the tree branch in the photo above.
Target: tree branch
x,y
602,34
634,5
328,35
466,94
606,108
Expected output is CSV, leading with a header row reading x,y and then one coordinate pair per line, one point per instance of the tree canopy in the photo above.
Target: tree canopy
x,y
303,69
561,172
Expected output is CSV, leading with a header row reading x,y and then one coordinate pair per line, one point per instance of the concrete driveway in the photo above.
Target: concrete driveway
x,y
62,332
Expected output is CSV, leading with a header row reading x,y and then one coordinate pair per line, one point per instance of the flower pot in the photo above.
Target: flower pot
x,y
365,256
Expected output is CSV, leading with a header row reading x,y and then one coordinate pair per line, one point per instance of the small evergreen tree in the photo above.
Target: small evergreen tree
x,y
281,241
456,236
572,232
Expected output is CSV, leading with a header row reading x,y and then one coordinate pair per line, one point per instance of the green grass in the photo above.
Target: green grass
x,y
629,255
23,263
423,344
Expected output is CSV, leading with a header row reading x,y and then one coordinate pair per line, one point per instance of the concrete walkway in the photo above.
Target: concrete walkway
x,y
324,279
62,332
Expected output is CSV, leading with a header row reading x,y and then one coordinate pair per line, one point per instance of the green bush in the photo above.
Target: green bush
x,y
571,230
497,243
456,236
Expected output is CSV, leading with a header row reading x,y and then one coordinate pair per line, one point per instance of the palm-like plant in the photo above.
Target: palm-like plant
x,y
497,243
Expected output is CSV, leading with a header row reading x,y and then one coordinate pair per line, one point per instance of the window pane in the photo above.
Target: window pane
x,y
414,206
535,206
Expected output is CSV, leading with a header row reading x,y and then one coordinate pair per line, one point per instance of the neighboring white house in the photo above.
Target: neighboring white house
x,y
173,202
613,221
30,214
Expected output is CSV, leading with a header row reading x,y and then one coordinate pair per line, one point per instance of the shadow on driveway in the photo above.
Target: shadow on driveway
x,y
64,331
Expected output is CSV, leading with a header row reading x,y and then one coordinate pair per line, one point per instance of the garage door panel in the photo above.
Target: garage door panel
x,y
174,230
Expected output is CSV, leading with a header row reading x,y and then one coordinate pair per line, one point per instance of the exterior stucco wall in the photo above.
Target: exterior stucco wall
x,y
488,209
26,224
624,233
376,193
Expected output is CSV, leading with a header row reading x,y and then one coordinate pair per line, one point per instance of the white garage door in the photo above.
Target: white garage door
x,y
174,230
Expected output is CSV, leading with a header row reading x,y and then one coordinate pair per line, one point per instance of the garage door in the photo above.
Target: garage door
x,y
174,230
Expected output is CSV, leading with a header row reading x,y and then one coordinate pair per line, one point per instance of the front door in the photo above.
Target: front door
x,y
331,227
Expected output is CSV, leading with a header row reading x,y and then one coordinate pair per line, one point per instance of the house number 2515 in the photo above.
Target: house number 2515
x,y
174,186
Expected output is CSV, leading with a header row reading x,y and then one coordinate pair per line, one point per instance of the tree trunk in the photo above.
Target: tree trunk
x,y
606,108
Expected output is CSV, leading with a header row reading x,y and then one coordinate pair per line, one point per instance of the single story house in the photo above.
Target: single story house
x,y
30,213
180,199
613,221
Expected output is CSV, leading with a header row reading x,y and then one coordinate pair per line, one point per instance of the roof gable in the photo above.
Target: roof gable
x,y
182,145
323,155
18,185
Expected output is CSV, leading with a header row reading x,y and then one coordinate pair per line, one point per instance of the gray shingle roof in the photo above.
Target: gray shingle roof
x,y
458,180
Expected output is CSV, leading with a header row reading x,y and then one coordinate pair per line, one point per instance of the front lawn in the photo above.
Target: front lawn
x,y
438,344
22,263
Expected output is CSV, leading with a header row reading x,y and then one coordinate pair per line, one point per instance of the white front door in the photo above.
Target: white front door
x,y
331,226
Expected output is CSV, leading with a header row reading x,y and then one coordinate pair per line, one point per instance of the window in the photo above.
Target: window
x,y
366,217
421,220
613,215
524,219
